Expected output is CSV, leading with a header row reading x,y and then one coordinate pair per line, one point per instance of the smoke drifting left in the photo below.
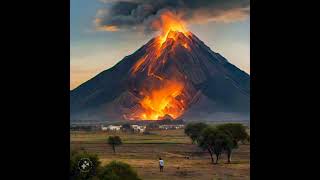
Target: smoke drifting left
x,y
146,15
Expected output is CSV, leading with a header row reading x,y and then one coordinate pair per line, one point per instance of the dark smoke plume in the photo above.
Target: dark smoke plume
x,y
139,14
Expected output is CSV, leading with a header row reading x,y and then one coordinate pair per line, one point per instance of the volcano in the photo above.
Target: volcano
x,y
175,76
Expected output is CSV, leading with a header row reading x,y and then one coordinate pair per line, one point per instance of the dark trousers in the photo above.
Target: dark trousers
x,y
161,168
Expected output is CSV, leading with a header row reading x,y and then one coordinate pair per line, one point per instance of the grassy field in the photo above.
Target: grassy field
x,y
142,153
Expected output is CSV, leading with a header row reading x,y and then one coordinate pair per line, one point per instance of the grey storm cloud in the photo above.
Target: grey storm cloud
x,y
139,14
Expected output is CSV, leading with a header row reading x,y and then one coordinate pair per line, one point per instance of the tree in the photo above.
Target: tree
x,y
114,141
204,141
152,125
221,143
118,171
193,130
237,132
215,141
74,170
127,128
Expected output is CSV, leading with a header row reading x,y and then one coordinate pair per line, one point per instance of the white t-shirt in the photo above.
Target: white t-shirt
x,y
161,162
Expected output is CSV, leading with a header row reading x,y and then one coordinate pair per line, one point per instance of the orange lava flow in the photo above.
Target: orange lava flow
x,y
185,45
166,100
162,102
138,64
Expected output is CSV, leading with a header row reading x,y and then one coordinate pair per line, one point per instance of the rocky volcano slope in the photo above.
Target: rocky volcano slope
x,y
177,78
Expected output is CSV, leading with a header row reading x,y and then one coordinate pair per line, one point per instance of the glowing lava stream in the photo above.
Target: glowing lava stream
x,y
167,99
162,102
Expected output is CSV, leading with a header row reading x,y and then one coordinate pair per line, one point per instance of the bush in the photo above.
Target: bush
x,y
118,171
74,171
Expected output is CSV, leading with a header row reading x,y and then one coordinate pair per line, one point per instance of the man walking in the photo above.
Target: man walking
x,y
161,164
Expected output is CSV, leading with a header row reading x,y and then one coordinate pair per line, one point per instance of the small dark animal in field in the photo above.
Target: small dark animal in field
x,y
187,157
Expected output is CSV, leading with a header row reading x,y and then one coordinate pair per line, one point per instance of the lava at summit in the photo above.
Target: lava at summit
x,y
169,22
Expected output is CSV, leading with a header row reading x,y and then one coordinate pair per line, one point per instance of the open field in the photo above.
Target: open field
x,y
142,153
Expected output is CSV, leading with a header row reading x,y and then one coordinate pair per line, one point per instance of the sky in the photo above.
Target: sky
x,y
93,51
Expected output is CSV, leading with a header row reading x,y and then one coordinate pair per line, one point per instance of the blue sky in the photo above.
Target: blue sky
x,y
93,51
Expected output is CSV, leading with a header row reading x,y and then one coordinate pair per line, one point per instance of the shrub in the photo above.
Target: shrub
x,y
118,171
74,171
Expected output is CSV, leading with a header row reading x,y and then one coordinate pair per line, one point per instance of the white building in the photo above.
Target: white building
x,y
138,128
111,128
171,126
104,128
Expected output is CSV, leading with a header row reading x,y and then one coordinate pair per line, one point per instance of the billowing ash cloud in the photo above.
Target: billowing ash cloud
x,y
140,14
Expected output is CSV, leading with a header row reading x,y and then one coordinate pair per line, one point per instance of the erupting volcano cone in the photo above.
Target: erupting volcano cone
x,y
171,77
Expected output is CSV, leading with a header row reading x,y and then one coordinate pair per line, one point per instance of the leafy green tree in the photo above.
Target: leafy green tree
x,y
215,141
204,141
118,171
114,141
237,132
193,130
222,143
74,171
